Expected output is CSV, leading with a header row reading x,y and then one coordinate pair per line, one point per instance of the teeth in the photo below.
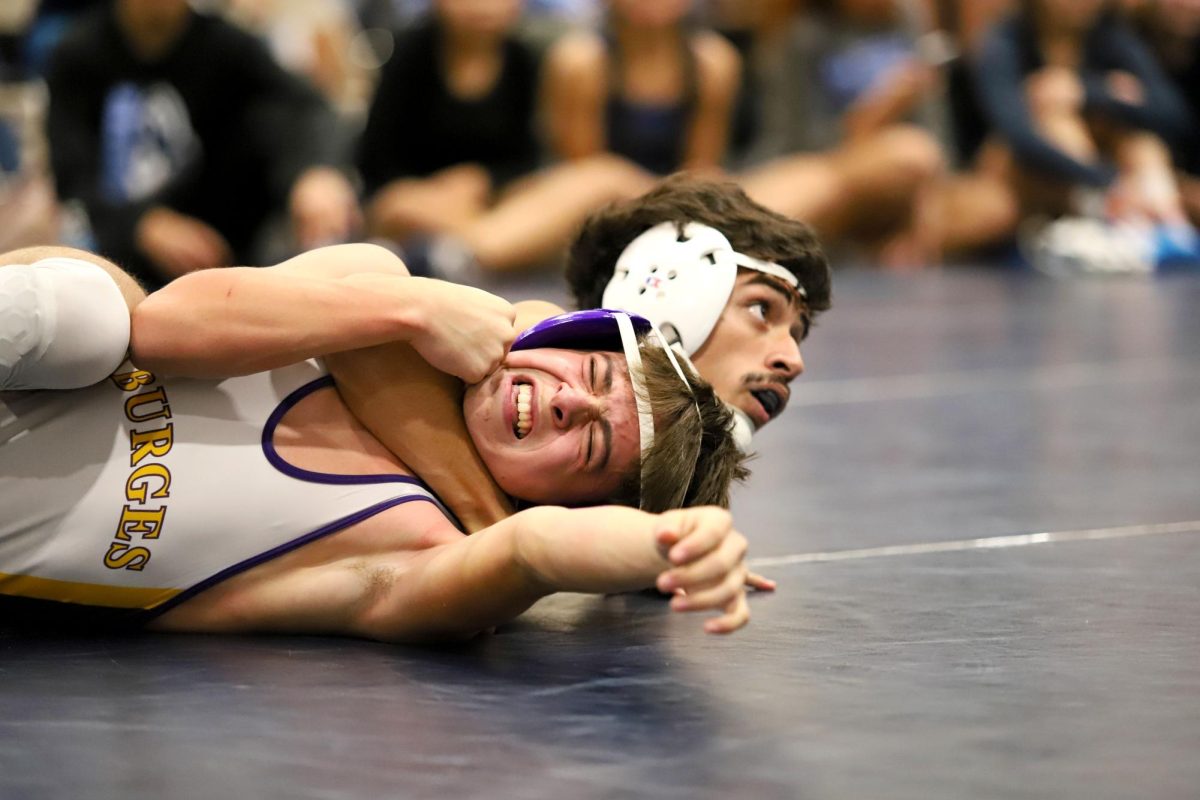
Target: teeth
x,y
523,419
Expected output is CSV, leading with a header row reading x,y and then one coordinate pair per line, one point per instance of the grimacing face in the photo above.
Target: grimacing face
x,y
753,353
568,438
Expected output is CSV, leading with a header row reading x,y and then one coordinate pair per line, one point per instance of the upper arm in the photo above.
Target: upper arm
x,y
574,92
718,76
453,590
340,260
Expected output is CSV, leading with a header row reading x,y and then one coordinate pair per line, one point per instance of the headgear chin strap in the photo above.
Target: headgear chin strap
x,y
681,280
616,331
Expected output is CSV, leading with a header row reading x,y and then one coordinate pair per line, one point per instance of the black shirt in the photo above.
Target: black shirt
x,y
416,126
215,129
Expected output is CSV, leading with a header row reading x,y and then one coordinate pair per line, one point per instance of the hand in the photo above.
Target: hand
x,y
1125,87
708,570
178,244
465,331
324,208
760,583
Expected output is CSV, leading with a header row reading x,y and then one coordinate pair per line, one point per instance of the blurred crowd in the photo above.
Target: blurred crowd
x,y
475,136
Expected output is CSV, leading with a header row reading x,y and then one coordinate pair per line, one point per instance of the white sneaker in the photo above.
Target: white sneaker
x,y
1085,246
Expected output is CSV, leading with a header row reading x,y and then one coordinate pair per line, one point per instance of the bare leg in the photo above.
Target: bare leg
x,y
1149,188
977,209
444,201
873,191
539,216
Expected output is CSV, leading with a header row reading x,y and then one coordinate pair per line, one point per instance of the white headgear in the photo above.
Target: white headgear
x,y
681,281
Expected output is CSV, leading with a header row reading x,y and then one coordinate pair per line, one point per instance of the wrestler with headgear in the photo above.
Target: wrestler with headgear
x,y
733,285
258,502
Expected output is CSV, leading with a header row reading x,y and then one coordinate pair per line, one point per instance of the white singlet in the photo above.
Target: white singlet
x,y
137,493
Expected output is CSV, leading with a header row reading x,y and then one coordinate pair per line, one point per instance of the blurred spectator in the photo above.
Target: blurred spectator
x,y
313,38
1172,30
27,204
450,153
1081,112
659,89
182,137
651,86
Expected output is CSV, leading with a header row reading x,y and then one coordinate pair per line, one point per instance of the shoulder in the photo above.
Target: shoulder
x,y
718,64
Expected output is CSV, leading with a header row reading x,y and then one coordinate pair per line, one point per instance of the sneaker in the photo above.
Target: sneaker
x,y
1086,246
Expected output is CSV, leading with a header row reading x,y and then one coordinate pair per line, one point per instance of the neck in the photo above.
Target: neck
x,y
639,41
468,46
151,38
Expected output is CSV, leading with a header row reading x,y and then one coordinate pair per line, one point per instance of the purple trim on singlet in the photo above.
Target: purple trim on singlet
x,y
275,552
277,461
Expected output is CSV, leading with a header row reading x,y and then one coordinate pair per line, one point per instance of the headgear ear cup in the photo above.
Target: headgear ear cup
x,y
680,281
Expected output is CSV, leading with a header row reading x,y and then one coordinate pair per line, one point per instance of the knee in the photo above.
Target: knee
x,y
1054,90
623,178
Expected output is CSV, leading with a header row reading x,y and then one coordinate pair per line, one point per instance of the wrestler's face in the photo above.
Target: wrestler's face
x,y
753,353
479,17
568,438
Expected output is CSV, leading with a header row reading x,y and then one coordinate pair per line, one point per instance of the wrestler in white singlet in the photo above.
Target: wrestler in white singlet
x,y
135,494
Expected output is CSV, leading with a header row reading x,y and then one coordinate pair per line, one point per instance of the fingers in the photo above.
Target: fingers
x,y
717,594
760,582
736,615
717,563
698,530
708,571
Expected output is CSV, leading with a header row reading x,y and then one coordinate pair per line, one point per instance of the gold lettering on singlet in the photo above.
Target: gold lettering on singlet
x,y
135,402
137,488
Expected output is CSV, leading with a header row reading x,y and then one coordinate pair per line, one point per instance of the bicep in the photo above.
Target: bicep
x,y
340,260
452,591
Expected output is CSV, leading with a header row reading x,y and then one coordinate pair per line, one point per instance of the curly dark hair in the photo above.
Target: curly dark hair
x,y
682,198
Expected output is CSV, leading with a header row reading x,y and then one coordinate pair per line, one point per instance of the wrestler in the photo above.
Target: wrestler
x,y
258,503
736,285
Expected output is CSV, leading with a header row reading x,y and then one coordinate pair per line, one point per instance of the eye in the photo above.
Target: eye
x,y
592,374
759,309
591,439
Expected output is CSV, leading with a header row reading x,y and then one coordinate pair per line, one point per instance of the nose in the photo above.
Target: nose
x,y
785,358
570,407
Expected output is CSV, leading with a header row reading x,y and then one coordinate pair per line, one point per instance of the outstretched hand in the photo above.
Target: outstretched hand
x,y
465,331
708,570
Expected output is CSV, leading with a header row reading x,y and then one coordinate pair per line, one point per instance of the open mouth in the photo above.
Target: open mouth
x,y
771,401
522,400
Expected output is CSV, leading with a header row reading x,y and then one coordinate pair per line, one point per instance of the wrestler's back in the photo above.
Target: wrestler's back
x,y
263,475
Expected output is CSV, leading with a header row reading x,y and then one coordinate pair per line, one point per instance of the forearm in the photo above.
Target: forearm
x,y
416,411
222,322
601,550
